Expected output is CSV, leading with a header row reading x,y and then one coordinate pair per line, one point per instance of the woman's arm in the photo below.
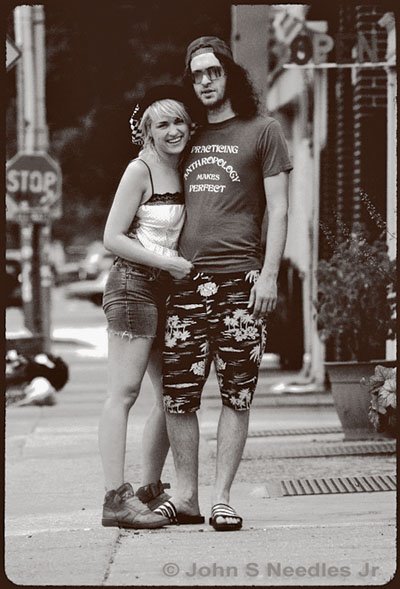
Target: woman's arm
x,y
129,194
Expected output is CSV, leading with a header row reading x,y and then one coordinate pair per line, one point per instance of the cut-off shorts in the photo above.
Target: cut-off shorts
x,y
208,320
134,300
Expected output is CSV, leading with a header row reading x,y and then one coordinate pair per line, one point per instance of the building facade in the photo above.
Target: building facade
x,y
330,79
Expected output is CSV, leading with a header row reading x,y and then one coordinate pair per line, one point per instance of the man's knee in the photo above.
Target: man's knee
x,y
238,402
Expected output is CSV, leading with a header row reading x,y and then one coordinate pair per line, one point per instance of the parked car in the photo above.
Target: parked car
x,y
13,282
90,290
97,260
61,271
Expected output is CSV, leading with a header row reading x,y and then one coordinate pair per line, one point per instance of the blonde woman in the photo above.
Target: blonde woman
x,y
142,229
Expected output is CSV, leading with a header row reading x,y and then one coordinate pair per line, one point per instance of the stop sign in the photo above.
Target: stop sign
x,y
34,183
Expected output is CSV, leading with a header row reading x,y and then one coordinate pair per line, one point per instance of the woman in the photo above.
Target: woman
x,y
142,229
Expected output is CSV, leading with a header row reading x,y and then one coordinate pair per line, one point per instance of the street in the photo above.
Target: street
x,y
54,490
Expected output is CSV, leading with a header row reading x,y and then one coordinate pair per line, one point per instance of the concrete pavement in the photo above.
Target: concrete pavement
x,y
54,492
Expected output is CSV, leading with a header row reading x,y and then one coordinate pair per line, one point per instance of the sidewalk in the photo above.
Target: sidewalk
x,y
54,492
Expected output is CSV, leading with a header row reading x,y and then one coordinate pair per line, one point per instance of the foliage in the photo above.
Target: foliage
x,y
100,59
356,297
383,403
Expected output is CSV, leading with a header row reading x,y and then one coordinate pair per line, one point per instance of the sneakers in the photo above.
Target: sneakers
x,y
153,494
122,509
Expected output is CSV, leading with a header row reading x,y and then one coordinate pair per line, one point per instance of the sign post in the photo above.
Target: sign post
x,y
34,185
12,53
33,178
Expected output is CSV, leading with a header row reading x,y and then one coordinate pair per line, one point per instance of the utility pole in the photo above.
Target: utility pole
x,y
319,141
32,136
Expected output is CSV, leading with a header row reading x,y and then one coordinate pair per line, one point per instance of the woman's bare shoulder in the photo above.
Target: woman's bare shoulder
x,y
137,172
138,166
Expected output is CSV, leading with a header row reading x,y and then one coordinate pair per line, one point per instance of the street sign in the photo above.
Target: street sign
x,y
12,53
33,186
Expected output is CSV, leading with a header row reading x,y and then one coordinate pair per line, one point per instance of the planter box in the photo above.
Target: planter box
x,y
352,399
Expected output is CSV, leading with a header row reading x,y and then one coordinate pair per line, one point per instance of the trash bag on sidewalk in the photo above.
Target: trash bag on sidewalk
x,y
34,380
38,392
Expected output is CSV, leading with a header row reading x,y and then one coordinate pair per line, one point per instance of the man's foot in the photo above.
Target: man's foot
x,y
176,516
122,509
224,518
153,494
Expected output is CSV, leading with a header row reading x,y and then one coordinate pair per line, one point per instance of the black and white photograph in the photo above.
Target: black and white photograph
x,y
200,293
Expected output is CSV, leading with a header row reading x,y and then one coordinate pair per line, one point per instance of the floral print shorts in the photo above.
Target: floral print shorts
x,y
208,320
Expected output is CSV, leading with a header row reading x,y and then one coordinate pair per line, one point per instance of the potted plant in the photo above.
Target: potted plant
x,y
355,309
382,390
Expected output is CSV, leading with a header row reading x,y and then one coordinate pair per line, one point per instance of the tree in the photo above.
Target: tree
x,y
101,57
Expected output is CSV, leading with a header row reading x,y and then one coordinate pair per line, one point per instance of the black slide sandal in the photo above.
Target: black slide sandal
x,y
168,509
224,510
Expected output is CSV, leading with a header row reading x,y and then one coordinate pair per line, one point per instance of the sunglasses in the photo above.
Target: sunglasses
x,y
213,73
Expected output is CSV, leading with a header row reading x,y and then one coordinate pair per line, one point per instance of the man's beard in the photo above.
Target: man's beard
x,y
218,105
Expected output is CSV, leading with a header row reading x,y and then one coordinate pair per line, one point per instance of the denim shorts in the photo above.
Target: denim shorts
x,y
134,300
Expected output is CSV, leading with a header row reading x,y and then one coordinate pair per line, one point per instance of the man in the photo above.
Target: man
x,y
238,165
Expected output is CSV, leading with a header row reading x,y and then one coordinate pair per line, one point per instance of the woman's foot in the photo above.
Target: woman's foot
x,y
122,509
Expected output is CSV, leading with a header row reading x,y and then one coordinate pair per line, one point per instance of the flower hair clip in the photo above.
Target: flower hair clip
x,y
137,136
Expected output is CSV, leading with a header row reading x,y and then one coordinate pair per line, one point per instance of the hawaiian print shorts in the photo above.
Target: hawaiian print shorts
x,y
208,319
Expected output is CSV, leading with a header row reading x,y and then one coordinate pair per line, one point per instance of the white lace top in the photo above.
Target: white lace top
x,y
158,222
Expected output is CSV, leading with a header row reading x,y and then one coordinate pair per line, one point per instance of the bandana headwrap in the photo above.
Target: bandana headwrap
x,y
137,136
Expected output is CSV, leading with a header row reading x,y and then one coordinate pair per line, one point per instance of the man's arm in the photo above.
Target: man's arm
x,y
263,295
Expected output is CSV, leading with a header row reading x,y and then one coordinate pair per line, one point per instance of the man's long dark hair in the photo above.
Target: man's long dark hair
x,y
239,89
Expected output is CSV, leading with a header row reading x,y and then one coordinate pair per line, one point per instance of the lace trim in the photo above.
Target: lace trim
x,y
168,198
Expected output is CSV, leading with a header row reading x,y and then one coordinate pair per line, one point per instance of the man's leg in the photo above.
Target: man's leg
x,y
186,365
238,343
231,439
183,432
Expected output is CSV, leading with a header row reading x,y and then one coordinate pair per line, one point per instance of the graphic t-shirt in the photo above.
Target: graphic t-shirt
x,y
224,192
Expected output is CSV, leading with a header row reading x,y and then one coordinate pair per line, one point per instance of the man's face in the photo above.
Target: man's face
x,y
211,92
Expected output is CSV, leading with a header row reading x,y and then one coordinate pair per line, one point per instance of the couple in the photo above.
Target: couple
x,y
203,300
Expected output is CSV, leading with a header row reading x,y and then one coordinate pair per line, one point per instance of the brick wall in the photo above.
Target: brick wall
x,y
355,156
343,114
369,107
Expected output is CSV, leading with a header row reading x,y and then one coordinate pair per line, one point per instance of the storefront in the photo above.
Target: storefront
x,y
331,81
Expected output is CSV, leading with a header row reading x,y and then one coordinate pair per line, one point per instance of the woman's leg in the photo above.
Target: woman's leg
x,y
127,362
155,444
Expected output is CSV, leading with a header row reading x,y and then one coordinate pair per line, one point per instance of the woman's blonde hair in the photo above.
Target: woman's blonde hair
x,y
166,107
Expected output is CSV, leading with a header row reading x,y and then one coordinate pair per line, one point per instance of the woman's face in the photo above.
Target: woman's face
x,y
170,134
